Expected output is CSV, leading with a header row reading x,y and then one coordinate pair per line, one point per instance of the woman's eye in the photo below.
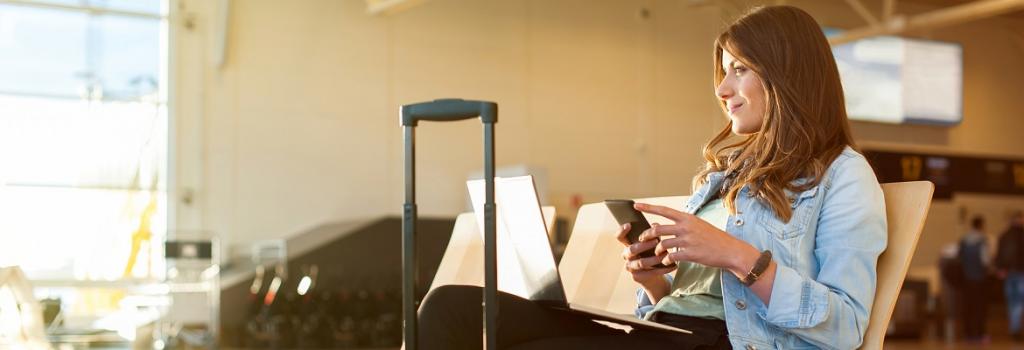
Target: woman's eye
x,y
739,70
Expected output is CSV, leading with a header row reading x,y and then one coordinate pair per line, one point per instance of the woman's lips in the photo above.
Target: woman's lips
x,y
734,108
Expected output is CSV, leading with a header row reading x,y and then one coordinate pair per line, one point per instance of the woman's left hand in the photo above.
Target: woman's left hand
x,y
696,240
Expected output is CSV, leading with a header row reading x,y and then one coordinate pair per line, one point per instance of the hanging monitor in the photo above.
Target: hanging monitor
x,y
897,80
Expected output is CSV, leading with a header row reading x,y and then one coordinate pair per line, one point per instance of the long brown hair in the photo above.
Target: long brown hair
x,y
805,125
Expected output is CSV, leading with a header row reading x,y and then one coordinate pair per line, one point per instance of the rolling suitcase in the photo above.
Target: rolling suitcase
x,y
448,110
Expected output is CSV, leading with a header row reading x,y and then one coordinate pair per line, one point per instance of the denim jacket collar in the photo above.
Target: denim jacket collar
x,y
715,182
701,196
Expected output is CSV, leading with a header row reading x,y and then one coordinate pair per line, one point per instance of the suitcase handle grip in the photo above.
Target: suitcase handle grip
x,y
450,109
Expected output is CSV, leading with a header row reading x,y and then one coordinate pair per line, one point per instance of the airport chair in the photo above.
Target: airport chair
x,y
592,269
463,260
906,207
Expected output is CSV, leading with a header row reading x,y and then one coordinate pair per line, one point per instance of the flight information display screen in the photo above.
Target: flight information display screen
x,y
897,80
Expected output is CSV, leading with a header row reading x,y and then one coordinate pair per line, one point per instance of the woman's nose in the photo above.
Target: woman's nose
x,y
724,91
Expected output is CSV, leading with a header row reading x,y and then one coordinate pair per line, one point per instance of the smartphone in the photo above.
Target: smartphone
x,y
624,213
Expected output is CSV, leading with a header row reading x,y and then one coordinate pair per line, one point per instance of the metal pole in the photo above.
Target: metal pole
x,y
409,305
490,245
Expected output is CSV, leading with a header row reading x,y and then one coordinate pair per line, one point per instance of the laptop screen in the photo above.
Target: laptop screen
x,y
526,264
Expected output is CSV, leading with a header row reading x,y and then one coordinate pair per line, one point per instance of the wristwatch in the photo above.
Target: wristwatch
x,y
762,264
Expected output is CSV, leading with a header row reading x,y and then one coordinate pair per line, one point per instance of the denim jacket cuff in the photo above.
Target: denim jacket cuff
x,y
796,302
644,305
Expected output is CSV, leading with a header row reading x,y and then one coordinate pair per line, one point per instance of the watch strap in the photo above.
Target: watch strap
x,y
759,267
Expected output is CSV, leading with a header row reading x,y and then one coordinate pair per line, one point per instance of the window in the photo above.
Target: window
x,y
83,138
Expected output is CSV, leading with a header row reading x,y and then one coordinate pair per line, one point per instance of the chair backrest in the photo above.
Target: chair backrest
x,y
463,260
906,207
591,262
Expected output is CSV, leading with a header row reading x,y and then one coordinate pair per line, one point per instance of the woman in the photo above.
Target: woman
x,y
776,248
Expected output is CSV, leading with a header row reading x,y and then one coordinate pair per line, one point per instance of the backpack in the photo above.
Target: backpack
x,y
952,271
1008,255
969,256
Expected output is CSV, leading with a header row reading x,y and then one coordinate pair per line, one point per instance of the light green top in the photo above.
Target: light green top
x,y
697,289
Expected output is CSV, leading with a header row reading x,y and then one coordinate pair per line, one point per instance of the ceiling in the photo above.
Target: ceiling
x,y
946,3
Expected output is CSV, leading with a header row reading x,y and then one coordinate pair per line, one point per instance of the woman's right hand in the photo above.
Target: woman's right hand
x,y
651,278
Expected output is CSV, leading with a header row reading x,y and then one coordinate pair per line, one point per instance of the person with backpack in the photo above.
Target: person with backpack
x,y
974,258
952,274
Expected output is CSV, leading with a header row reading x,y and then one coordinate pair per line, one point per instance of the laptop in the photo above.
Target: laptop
x,y
526,263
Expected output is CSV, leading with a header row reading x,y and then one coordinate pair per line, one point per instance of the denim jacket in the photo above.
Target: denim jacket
x,y
825,255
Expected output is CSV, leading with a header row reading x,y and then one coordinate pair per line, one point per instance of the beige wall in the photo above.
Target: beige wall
x,y
299,126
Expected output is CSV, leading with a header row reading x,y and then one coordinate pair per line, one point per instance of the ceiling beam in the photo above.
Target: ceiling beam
x,y
888,9
863,11
930,20
390,7
1018,39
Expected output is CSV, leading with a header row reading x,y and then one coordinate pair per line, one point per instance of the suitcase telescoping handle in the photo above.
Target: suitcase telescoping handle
x,y
451,109
448,110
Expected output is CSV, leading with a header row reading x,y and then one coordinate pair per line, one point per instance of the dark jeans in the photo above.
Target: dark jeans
x,y
974,307
451,317
1014,289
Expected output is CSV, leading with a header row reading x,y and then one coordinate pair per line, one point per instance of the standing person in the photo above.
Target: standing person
x,y
1010,262
776,248
952,274
974,259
